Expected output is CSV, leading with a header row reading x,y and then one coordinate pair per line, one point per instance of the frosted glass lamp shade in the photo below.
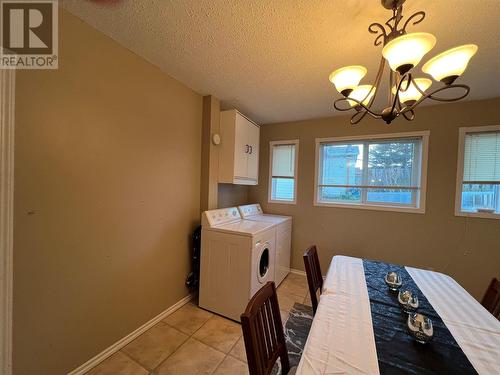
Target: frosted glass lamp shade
x,y
406,51
361,93
449,65
347,78
411,95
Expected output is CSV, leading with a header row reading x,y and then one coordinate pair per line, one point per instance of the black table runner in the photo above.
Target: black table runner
x,y
397,351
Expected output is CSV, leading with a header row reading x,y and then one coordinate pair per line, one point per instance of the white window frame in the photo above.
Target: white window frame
x,y
294,142
460,171
419,209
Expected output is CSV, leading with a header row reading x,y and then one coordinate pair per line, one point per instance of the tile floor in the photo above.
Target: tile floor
x,y
195,341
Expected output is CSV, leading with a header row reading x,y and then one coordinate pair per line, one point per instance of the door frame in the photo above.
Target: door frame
x,y
7,101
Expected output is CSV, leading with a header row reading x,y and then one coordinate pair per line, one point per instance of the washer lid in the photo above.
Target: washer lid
x,y
254,212
275,219
244,227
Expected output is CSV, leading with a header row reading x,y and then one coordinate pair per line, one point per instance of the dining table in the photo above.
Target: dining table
x,y
359,327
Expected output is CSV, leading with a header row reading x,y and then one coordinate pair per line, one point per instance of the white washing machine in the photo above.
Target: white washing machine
x,y
237,259
283,225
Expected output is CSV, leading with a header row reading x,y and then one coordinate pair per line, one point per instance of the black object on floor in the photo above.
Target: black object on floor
x,y
193,279
297,329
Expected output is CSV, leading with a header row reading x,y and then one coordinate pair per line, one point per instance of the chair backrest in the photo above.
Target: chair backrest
x,y
263,332
314,276
491,299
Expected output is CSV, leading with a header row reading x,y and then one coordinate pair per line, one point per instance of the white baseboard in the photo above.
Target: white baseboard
x,y
91,363
297,272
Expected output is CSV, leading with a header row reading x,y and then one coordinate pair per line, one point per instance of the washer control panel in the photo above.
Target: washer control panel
x,y
250,210
221,216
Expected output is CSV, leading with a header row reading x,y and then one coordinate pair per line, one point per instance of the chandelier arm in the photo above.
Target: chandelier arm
x,y
405,114
458,86
354,120
377,28
390,95
397,16
420,15
361,115
399,105
340,108
375,87
375,115
377,41
376,83
418,88
366,108
358,103
409,118
438,99
388,23
407,78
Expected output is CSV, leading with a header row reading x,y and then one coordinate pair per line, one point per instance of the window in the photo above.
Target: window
x,y
283,171
385,172
478,172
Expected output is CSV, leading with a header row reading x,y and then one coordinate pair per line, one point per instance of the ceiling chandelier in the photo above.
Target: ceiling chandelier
x,y
403,52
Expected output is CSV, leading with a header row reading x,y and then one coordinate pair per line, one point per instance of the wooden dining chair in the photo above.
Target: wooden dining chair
x,y
491,299
314,276
263,333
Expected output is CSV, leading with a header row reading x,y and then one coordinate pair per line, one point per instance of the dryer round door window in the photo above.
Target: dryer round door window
x,y
263,268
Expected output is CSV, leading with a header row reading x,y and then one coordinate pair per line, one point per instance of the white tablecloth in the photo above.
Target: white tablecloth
x,y
341,340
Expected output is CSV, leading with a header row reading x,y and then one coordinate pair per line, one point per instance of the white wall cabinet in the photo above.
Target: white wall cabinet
x,y
239,152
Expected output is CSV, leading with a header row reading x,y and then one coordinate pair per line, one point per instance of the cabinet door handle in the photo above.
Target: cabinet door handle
x,y
251,149
247,149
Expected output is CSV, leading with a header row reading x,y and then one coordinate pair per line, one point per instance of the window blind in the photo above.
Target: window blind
x,y
482,158
283,160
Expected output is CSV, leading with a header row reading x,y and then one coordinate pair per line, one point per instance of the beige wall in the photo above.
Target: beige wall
x,y
232,195
436,239
107,191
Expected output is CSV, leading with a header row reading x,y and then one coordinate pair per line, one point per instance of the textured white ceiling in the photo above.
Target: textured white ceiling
x,y
271,59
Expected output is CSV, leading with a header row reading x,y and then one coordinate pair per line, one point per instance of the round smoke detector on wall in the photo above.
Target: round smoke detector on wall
x,y
216,139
